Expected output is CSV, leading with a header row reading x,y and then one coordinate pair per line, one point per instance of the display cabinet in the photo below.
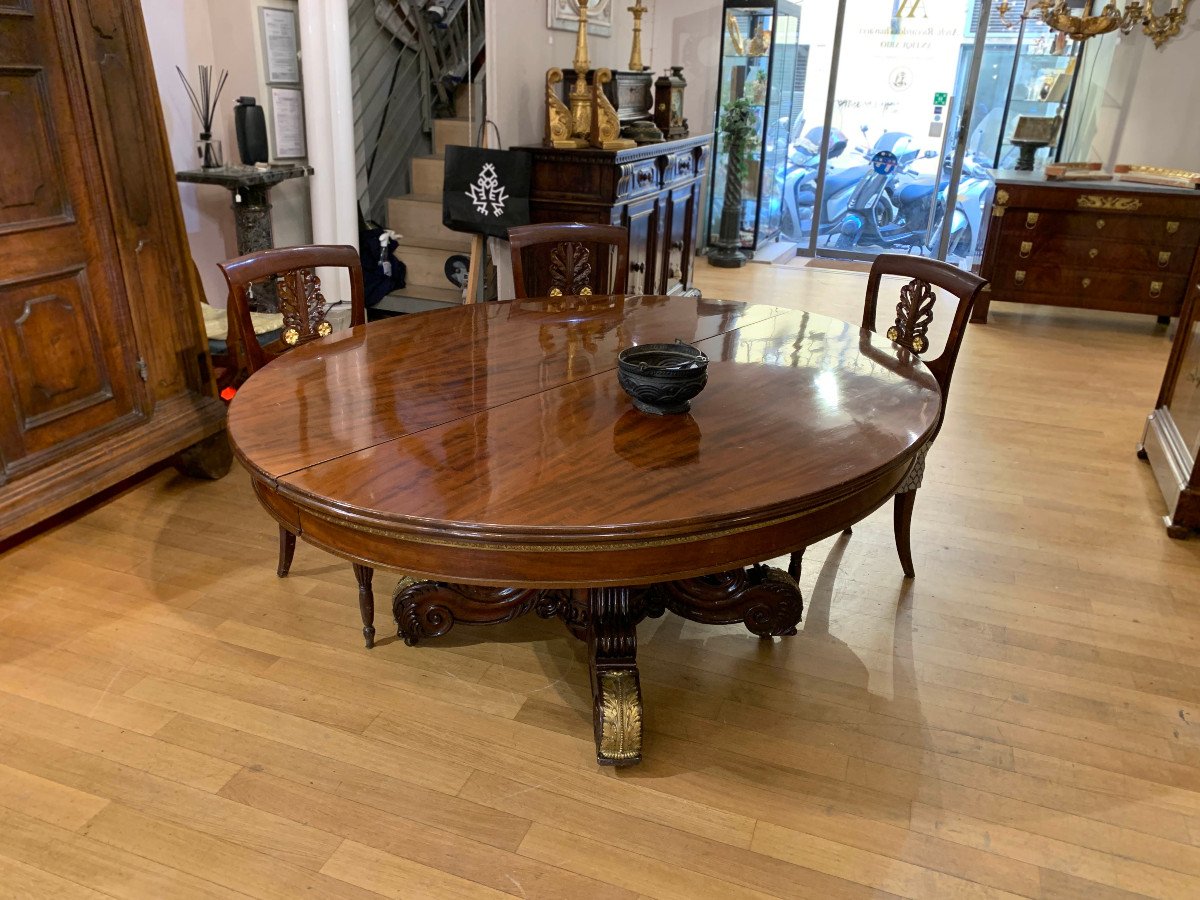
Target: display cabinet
x,y
1041,82
1171,441
759,43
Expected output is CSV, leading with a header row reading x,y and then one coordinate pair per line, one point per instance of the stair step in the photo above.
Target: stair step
x,y
428,174
420,292
451,131
418,219
465,103
426,266
397,303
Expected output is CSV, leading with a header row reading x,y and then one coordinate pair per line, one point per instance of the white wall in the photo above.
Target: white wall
x,y
688,33
224,34
520,48
1151,114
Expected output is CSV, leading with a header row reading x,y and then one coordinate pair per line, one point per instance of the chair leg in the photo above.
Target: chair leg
x,y
287,549
795,563
903,524
366,601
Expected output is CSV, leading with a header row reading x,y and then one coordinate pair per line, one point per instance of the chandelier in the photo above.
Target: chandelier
x,y
1159,28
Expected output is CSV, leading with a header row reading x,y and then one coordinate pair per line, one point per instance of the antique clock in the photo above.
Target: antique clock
x,y
668,104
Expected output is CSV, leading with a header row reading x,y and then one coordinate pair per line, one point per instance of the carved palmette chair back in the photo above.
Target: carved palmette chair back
x,y
915,309
909,328
291,271
569,259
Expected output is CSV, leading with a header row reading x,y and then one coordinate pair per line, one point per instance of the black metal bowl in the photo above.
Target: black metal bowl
x,y
662,379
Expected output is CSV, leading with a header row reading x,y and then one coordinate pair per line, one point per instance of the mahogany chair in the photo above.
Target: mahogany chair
x,y
914,313
291,271
560,258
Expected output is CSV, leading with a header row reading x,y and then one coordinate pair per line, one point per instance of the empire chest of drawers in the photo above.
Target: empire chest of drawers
x,y
653,190
1098,245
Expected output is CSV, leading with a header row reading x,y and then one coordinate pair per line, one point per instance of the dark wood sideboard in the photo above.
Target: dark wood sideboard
x,y
102,347
653,190
1107,245
1171,441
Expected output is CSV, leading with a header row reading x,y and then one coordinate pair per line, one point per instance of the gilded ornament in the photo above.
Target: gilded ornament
x,y
560,124
1001,197
620,709
606,125
291,337
1102,201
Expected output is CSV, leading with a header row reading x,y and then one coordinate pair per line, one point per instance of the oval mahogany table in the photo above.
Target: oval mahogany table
x,y
489,452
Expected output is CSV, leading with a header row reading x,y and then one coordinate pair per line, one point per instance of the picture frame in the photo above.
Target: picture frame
x,y
287,139
561,15
280,45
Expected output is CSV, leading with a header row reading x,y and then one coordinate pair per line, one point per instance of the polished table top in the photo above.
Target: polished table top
x,y
502,426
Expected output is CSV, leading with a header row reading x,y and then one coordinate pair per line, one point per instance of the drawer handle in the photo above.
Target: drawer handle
x,y
1087,283
1156,289
1093,253
645,176
1031,220
1019,276
1172,227
1026,249
1164,259
637,267
1099,224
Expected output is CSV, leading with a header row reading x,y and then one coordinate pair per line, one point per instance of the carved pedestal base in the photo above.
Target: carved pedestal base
x,y
766,600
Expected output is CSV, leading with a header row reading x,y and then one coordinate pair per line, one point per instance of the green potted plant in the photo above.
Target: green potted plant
x,y
739,134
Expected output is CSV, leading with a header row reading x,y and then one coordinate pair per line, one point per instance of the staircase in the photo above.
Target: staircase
x,y
426,245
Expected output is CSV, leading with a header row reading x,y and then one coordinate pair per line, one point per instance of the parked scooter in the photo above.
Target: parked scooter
x,y
800,185
893,206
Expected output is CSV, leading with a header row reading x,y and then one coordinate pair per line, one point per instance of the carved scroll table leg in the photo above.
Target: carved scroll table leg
x,y
767,600
425,609
616,691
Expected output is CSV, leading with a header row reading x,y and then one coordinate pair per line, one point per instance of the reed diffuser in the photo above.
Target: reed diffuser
x,y
204,102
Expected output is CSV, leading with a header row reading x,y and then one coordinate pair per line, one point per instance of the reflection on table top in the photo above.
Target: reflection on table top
x,y
510,415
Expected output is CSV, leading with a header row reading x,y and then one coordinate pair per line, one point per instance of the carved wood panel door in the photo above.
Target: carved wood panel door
x,y
680,229
67,354
641,218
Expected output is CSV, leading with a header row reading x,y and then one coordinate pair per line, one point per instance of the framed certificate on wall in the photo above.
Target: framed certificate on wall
x,y
287,123
281,59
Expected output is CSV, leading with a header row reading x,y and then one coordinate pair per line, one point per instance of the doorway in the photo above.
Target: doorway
x,y
894,154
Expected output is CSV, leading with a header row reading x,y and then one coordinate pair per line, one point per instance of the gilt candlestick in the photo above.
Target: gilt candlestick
x,y
635,54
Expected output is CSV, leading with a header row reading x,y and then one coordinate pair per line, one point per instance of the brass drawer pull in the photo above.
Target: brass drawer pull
x,y
1156,289
1087,283
1172,227
1026,249
1093,253
1031,220
1100,224
1019,276
1164,259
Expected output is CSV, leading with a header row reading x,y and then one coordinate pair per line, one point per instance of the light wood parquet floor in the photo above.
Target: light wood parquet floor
x,y
1023,720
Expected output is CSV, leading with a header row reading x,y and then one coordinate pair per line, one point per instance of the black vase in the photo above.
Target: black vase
x,y
250,123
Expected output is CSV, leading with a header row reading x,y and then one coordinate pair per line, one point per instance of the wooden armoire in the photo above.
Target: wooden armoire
x,y
103,357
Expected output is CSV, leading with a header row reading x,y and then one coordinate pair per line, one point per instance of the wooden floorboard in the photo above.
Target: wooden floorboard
x,y
1022,720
